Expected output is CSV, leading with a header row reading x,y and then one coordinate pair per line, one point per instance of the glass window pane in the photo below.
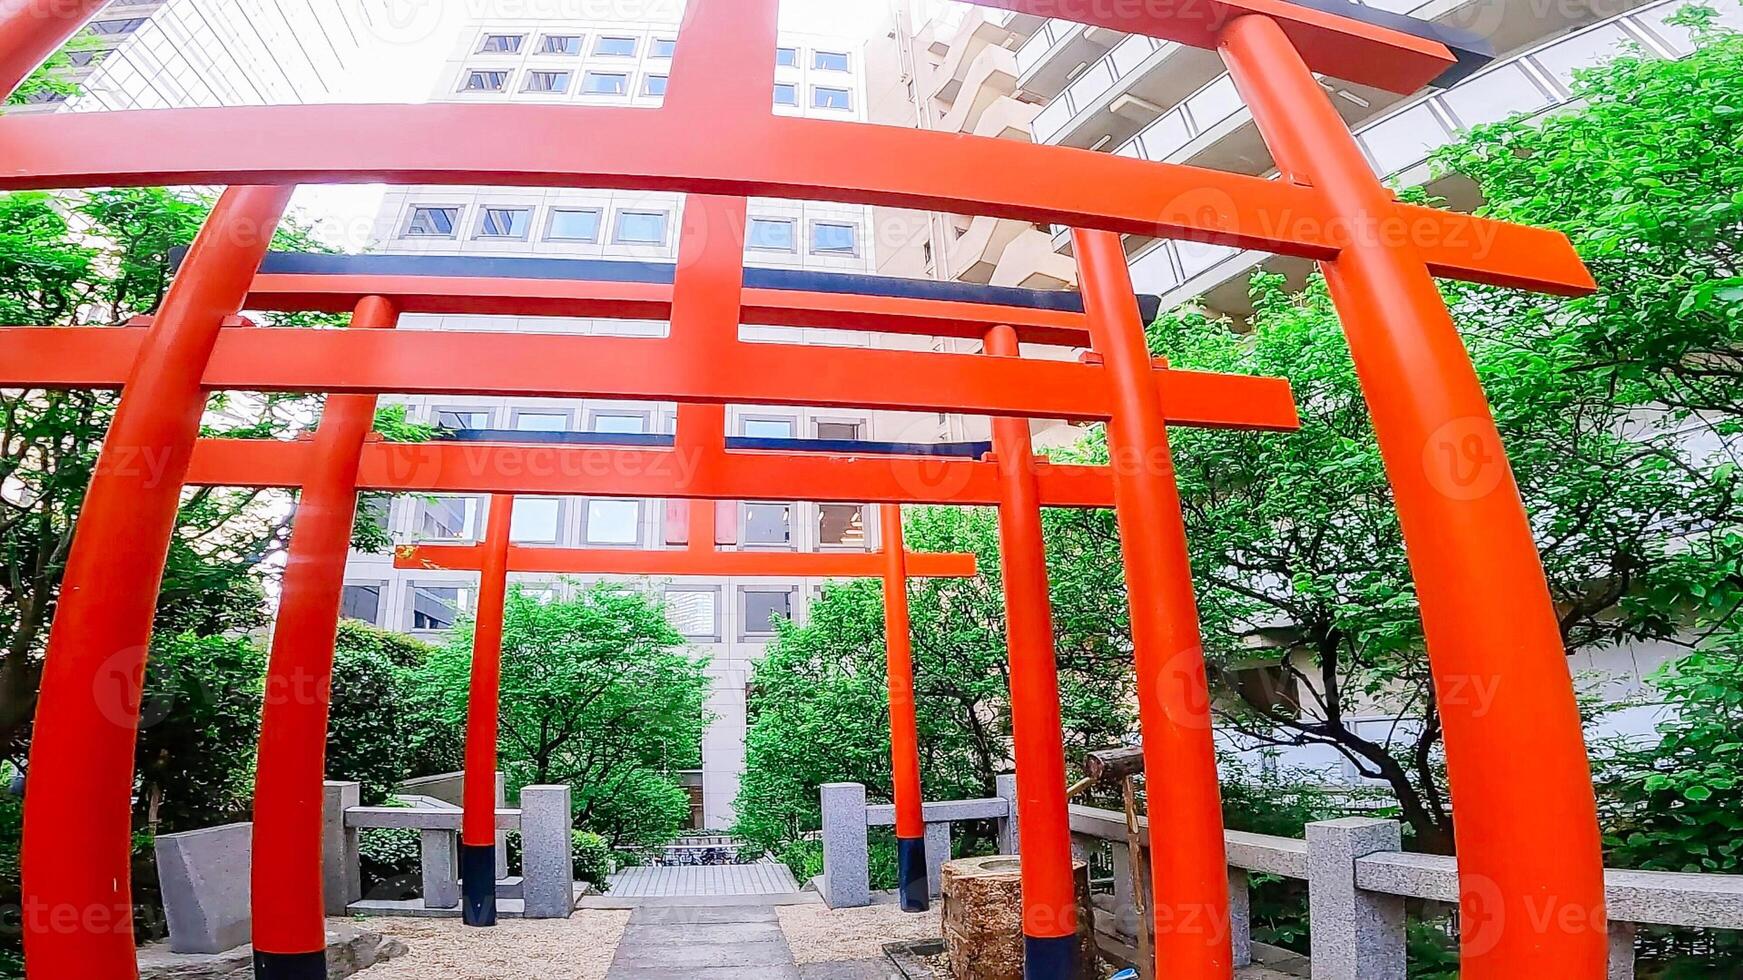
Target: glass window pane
x,y
574,225
769,428
694,612
449,518
485,81
664,47
434,607
841,525
787,57
840,431
560,44
773,235
555,82
830,238
640,228
654,85
762,608
768,523
432,223
824,97
505,222
619,423
501,43
457,419
535,519
829,60
613,521
605,83
786,93
541,422
622,47
361,602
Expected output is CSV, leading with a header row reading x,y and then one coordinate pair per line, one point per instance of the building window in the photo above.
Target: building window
x,y
560,44
432,223
616,47
839,431
825,97
786,93
82,58
769,428
536,520
694,613
449,519
485,81
773,235
841,525
459,418
573,225
640,228
787,57
501,44
505,222
768,525
654,85
614,522
834,238
435,607
829,60
664,48
541,421
553,82
619,423
111,28
760,608
605,83
362,602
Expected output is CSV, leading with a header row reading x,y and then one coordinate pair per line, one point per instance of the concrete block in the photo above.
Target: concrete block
x,y
1357,934
439,859
350,950
1006,784
547,858
501,835
937,852
1622,950
341,871
846,861
204,875
1240,917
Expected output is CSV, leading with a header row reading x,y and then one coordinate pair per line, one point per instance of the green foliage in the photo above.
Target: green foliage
x,y
51,77
200,718
389,861
819,710
597,692
592,857
804,857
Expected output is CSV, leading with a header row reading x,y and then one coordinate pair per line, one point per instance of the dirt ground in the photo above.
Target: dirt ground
x,y
444,949
818,934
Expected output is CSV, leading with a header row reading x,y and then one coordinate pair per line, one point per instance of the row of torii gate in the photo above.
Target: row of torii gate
x,y
1518,771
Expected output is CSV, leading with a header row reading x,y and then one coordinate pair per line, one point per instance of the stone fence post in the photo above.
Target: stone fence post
x,y
1357,935
846,863
341,872
547,852
1006,786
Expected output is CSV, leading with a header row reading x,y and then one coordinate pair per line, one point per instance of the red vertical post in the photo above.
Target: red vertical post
x,y
78,841
30,32
1189,872
290,924
1049,886
912,874
1526,909
478,821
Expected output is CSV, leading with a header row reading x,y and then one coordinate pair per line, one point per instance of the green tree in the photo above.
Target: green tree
x,y
598,692
200,720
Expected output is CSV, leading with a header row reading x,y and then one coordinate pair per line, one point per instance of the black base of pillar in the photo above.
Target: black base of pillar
x,y
290,966
911,874
1049,958
478,884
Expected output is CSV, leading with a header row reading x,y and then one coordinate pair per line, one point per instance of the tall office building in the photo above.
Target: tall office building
x,y
163,54
625,62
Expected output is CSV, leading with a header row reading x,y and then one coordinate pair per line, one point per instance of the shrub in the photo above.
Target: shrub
x,y
592,857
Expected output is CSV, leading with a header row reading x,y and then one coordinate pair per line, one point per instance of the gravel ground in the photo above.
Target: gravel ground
x,y
819,934
444,949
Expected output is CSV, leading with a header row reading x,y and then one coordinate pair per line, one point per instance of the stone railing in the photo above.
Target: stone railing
x,y
1358,879
847,821
545,888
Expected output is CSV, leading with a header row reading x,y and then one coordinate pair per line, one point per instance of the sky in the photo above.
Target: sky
x,y
415,37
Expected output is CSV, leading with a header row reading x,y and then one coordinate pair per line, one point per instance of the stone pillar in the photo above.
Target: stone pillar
x,y
440,862
1240,917
1125,908
341,874
547,851
846,865
937,852
1621,950
1357,935
501,835
1006,784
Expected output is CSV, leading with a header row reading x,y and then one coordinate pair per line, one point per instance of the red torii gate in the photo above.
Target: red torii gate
x,y
1486,609
496,556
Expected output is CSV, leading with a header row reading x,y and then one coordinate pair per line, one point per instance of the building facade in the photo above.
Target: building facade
x,y
625,62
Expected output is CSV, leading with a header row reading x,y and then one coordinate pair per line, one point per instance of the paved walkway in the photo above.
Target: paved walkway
x,y
742,942
769,878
